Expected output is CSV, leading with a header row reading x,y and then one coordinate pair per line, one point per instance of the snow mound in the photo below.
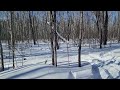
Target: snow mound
x,y
117,62
112,70
97,62
109,62
103,73
72,75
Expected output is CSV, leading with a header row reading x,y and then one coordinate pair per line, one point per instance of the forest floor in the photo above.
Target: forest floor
x,y
96,63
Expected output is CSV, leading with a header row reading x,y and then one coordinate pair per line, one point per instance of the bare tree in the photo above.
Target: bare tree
x,y
80,38
118,27
55,38
99,18
1,49
51,37
105,28
12,36
32,27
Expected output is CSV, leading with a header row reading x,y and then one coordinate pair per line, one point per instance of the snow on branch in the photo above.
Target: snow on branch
x,y
60,35
62,38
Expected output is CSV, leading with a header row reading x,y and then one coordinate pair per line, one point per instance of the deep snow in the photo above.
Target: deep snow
x,y
96,63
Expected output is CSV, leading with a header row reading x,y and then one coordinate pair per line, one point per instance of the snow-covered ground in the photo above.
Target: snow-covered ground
x,y
96,63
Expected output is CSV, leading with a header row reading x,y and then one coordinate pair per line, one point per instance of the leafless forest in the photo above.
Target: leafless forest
x,y
80,27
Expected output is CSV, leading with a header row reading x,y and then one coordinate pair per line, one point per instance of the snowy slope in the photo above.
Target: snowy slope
x,y
96,63
46,72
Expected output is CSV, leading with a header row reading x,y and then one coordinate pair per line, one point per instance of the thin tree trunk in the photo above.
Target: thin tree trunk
x,y
99,24
32,29
55,38
12,36
80,39
51,37
101,27
100,38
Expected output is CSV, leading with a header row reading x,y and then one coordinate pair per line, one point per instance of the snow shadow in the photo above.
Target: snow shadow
x,y
35,54
72,64
104,49
38,69
96,72
50,73
72,51
63,54
86,51
65,68
27,72
16,69
110,76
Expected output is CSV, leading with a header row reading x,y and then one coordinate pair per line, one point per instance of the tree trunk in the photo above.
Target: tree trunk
x,y
105,28
118,27
51,37
12,36
99,24
1,49
100,38
32,29
79,53
57,45
80,39
55,38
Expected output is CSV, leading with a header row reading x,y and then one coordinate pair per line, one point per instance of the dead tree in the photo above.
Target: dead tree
x,y
1,49
80,38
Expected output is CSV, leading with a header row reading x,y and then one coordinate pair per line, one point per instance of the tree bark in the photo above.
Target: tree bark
x,y
99,23
1,49
12,36
32,29
101,27
118,27
55,38
51,38
105,28
80,39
